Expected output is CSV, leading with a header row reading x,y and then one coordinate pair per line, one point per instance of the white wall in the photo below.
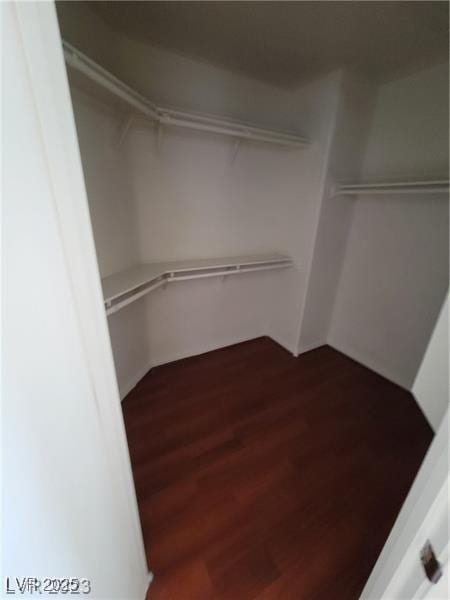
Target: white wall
x,y
64,504
431,386
107,180
395,268
370,273
187,199
409,134
191,201
351,121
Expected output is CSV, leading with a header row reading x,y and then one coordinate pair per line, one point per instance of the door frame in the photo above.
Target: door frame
x,y
49,87
424,512
398,573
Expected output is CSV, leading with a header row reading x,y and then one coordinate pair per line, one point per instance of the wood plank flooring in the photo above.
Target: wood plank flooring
x,y
261,476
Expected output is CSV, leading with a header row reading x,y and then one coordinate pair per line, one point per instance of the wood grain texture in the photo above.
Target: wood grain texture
x,y
259,475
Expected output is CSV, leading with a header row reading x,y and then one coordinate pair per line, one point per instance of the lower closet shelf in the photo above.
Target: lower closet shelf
x,y
125,287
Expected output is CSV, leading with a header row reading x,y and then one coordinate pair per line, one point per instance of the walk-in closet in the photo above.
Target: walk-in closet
x,y
268,192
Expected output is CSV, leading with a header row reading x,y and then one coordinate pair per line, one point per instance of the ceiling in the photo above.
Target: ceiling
x,y
290,43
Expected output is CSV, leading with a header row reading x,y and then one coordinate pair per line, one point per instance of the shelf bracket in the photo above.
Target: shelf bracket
x,y
236,148
124,129
237,145
159,136
333,190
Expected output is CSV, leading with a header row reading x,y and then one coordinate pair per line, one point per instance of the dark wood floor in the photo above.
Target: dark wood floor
x,y
259,475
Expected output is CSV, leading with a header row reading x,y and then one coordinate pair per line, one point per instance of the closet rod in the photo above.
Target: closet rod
x,y
396,187
125,287
234,271
216,125
80,62
166,116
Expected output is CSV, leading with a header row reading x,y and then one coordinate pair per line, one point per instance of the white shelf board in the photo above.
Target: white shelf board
x,y
125,287
125,281
87,75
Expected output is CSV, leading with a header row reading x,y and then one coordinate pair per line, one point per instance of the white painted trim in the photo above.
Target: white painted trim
x,y
174,356
370,364
49,87
132,382
397,573
283,343
435,519
148,583
309,347
393,567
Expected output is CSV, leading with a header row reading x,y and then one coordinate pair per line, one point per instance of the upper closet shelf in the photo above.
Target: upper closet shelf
x,y
88,75
396,187
125,287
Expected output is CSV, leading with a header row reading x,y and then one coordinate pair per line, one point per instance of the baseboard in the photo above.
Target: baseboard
x,y
370,364
309,347
173,356
295,351
148,584
133,381
281,342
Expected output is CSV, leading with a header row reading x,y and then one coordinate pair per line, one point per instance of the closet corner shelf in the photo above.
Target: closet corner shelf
x,y
125,287
393,187
88,75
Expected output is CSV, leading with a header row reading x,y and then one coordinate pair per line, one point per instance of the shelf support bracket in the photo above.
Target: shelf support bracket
x,y
159,136
236,148
124,129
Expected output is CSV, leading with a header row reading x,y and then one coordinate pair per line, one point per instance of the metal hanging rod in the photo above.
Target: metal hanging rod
x,y
125,287
80,62
228,127
166,116
395,187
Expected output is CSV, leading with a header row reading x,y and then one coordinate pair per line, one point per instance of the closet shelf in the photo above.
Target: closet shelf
x,y
88,75
125,287
393,187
